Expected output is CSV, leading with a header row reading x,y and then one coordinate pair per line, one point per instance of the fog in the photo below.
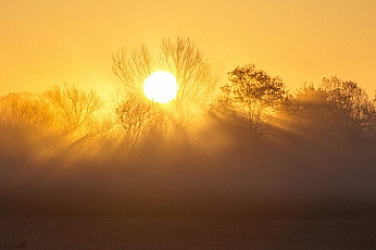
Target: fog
x,y
212,167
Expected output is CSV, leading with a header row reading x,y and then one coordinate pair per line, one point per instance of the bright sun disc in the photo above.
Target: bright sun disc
x,y
160,87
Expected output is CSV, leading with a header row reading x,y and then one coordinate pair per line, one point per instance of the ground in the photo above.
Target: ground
x,y
185,233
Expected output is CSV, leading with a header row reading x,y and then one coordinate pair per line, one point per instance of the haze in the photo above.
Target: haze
x,y
44,43
269,142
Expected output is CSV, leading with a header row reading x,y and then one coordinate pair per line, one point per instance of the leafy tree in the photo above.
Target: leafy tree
x,y
369,120
347,103
253,96
336,108
346,99
308,104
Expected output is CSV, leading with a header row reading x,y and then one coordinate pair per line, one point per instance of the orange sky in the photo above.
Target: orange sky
x,y
48,42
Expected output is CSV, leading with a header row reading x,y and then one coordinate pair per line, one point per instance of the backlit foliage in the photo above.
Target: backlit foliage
x,y
253,96
346,99
335,108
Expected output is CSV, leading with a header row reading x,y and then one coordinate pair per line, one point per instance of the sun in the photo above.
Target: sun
x,y
160,87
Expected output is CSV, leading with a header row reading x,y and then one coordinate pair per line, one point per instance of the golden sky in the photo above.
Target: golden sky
x,y
48,42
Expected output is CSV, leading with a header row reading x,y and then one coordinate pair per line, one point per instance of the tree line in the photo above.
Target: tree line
x,y
250,99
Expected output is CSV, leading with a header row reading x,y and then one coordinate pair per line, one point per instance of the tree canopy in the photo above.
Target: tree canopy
x,y
252,95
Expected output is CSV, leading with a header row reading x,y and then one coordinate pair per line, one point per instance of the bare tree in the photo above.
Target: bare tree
x,y
132,69
26,109
138,118
195,79
73,108
197,83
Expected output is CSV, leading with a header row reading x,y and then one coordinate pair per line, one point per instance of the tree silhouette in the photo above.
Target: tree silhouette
x,y
346,98
309,104
73,108
133,69
193,73
347,103
180,57
336,108
137,119
369,121
27,110
253,96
